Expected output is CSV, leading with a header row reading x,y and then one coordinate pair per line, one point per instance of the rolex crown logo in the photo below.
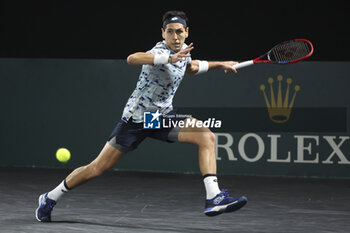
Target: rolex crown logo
x,y
279,109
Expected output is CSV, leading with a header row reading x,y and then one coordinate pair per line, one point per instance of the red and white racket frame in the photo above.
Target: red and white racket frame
x,y
260,60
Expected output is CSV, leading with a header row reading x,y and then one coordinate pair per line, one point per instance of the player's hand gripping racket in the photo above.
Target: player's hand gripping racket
x,y
284,53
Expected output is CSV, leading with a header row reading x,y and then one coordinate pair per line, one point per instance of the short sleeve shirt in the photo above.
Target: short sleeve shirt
x,y
156,86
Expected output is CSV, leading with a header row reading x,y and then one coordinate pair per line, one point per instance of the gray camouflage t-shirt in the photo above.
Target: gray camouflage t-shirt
x,y
156,86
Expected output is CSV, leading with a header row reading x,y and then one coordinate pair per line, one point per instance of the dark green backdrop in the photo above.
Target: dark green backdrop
x,y
52,103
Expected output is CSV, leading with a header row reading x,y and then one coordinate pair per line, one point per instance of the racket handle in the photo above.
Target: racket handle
x,y
243,64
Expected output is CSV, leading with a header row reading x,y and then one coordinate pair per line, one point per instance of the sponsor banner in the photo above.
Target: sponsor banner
x,y
287,154
284,148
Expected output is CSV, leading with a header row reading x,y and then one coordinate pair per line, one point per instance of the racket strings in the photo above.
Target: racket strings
x,y
290,51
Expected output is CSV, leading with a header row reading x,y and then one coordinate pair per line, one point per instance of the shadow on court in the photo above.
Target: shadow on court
x,y
158,202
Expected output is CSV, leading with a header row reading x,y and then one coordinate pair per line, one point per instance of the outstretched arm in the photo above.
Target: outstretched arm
x,y
227,66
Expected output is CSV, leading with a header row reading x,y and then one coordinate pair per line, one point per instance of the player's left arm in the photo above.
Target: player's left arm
x,y
197,66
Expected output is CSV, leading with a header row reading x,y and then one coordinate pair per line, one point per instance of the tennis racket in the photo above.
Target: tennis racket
x,y
284,53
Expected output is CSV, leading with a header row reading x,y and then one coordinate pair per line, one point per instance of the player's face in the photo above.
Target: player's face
x,y
174,35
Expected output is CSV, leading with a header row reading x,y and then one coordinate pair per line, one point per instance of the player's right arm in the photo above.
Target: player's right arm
x,y
140,58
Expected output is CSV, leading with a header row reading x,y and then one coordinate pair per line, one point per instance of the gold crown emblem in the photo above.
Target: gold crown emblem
x,y
279,109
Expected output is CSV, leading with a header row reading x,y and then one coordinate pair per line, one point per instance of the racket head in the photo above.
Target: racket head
x,y
288,52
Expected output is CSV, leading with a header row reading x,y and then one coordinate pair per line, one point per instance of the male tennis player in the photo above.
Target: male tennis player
x,y
163,68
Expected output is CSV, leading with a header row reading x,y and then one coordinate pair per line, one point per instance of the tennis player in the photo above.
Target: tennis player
x,y
163,68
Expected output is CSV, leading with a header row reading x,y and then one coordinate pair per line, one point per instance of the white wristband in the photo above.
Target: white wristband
x,y
203,67
160,59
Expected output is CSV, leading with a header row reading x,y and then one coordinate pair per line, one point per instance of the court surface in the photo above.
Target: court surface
x,y
158,202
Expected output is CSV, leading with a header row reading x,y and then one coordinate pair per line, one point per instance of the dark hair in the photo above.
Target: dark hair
x,y
170,14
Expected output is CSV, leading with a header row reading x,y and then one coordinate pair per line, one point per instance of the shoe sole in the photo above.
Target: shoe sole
x,y
227,208
37,209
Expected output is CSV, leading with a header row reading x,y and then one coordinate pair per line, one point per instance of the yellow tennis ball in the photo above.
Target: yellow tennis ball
x,y
63,155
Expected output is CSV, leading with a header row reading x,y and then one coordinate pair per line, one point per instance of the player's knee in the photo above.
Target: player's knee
x,y
211,138
207,139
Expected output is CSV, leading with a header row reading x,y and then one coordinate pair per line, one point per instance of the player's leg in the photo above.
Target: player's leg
x,y
125,137
107,158
217,201
205,140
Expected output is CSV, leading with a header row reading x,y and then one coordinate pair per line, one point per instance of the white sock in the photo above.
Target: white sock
x,y
57,193
211,186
